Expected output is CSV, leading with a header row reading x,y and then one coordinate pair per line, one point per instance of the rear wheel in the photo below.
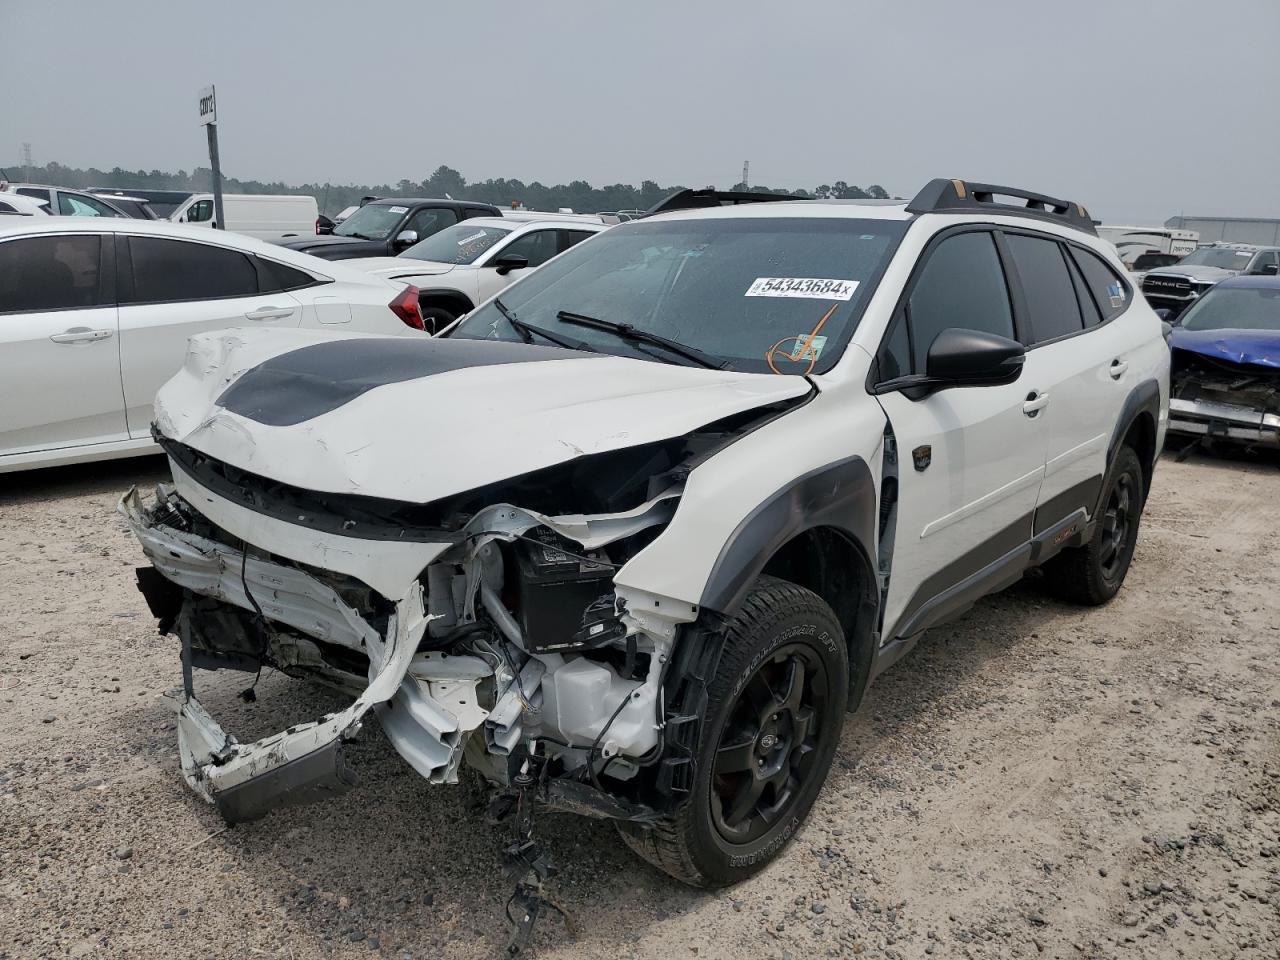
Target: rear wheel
x,y
774,714
1092,574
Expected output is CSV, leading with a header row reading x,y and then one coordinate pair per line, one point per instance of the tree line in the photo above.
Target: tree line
x,y
577,194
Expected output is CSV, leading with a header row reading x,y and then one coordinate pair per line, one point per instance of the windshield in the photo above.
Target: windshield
x,y
1222,257
461,243
1235,308
760,294
374,222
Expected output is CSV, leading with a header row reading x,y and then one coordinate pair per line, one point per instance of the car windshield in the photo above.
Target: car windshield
x,y
372,222
462,243
763,294
1235,308
1223,257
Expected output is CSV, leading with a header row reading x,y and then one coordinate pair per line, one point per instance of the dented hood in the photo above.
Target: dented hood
x,y
1259,348
417,420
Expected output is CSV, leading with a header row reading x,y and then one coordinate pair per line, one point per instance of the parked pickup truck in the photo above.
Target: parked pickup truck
x,y
384,228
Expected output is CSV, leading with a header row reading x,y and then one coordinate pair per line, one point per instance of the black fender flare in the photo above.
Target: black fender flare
x,y
841,496
1143,398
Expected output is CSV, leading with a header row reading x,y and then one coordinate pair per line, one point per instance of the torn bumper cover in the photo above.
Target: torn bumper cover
x,y
305,762
1224,421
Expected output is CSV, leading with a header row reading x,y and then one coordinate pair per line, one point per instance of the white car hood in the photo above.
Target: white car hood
x,y
419,419
394,267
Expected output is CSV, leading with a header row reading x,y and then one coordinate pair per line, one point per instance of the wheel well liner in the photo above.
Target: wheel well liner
x,y
1136,428
819,532
445,296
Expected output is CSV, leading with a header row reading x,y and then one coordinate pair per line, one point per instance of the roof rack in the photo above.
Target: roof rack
x,y
959,196
696,199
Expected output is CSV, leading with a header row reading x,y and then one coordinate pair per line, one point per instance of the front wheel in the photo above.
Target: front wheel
x,y
774,713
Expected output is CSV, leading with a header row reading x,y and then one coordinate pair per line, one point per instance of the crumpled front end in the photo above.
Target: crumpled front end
x,y
1216,399
499,638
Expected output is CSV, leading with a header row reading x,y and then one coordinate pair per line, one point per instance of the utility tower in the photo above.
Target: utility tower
x,y
746,169
26,162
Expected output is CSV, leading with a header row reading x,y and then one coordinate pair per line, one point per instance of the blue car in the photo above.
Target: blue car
x,y
1225,382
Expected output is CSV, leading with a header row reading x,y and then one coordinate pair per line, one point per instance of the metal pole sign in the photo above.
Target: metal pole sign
x,y
209,120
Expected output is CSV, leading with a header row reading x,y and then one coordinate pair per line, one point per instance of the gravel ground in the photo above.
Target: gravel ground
x,y
1035,779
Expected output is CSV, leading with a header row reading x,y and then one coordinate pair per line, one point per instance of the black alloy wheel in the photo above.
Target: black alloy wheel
x,y
769,745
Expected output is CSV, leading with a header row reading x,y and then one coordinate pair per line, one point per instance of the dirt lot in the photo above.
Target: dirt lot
x,y
1035,779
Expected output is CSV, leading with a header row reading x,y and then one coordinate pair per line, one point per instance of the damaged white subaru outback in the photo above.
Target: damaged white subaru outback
x,y
683,493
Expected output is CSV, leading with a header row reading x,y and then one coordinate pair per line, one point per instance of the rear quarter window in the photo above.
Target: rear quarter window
x,y
1111,294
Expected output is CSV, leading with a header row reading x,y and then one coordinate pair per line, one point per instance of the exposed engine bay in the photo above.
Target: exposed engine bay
x,y
1217,399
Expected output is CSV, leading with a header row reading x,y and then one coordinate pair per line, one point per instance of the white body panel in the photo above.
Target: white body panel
x,y
537,414
88,395
82,404
253,215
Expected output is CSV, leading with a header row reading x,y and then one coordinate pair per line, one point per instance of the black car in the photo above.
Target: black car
x,y
383,228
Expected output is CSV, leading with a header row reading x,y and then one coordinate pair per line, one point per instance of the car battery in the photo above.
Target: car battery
x,y
565,595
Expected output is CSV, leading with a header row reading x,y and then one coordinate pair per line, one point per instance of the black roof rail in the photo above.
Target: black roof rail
x,y
960,196
696,199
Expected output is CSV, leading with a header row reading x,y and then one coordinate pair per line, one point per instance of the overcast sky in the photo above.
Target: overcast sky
x,y
1139,110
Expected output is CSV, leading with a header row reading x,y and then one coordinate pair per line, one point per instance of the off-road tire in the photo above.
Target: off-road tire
x,y
776,616
1078,574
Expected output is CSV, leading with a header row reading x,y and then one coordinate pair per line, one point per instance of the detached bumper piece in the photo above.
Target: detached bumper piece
x,y
305,762
1224,421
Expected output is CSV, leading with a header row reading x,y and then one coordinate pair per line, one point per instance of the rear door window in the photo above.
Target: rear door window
x,y
170,271
51,273
1110,293
1047,286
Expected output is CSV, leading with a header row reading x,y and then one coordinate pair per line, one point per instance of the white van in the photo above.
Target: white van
x,y
256,215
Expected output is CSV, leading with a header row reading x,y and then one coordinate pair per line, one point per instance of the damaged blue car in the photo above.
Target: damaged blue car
x,y
1225,382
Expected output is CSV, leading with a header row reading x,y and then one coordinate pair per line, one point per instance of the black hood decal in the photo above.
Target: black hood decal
x,y
305,383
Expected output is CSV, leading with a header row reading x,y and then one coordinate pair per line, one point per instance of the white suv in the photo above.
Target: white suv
x,y
466,264
685,491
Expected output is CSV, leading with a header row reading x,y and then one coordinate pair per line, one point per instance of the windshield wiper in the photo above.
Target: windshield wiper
x,y
527,330
627,332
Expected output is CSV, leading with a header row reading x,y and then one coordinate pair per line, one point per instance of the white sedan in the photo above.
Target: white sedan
x,y
95,314
464,265
15,204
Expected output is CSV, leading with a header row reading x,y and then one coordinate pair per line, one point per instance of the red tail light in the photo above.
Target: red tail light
x,y
405,306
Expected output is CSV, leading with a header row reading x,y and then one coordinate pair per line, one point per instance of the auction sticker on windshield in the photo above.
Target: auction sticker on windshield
x,y
810,288
398,209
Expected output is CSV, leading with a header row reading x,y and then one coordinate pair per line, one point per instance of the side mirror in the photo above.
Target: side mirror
x,y
961,358
324,226
971,358
508,262
1165,314
406,238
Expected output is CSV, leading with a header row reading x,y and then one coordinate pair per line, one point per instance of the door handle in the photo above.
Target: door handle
x,y
81,335
1034,403
269,313
1118,367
